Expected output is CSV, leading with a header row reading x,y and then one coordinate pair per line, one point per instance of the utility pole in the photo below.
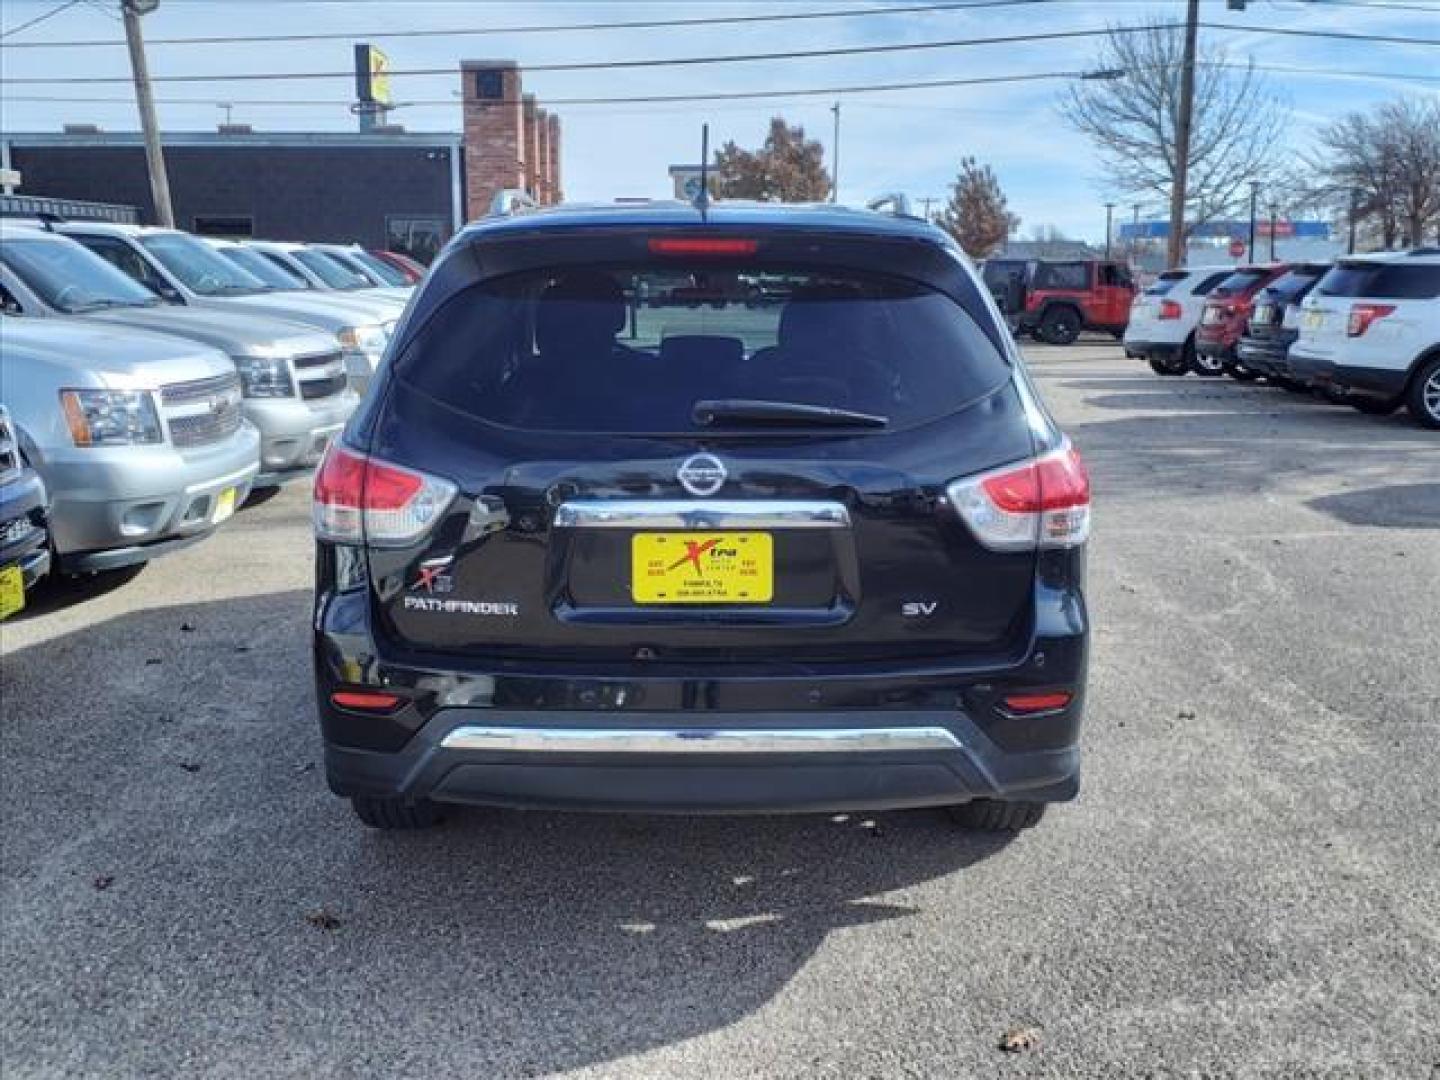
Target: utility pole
x,y
1175,256
1109,214
1273,211
835,156
1254,190
1354,198
140,70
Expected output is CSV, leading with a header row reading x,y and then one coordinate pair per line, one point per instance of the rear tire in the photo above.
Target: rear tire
x,y
997,815
1423,398
389,813
1238,373
1209,367
1166,367
1060,326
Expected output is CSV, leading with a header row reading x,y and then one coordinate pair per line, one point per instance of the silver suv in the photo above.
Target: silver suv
x,y
293,378
183,269
139,438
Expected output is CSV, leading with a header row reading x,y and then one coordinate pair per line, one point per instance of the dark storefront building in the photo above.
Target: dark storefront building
x,y
389,189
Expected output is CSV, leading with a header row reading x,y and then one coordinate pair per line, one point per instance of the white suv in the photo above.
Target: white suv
x,y
1163,318
1370,334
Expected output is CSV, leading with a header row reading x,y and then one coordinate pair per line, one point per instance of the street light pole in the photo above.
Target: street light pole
x,y
145,99
1273,210
835,156
1254,191
1176,253
1109,214
1354,198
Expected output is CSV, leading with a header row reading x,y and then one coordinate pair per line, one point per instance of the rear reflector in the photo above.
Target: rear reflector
x,y
697,245
361,499
1042,503
1362,315
365,700
1035,703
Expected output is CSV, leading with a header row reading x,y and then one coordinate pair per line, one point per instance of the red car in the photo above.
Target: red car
x,y
1224,317
412,270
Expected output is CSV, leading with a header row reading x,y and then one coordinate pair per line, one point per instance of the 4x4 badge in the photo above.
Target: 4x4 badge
x,y
702,474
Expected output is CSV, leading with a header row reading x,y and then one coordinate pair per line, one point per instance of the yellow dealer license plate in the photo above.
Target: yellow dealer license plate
x,y
224,506
702,568
1314,320
12,591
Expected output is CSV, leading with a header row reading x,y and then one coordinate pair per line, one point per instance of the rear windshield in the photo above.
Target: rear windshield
x,y
634,349
1383,281
1294,284
1241,281
1165,282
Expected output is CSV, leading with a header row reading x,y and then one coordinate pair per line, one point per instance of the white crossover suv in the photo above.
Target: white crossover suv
x,y
1370,334
1163,318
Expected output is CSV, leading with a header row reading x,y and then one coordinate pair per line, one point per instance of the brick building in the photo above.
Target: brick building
x,y
386,187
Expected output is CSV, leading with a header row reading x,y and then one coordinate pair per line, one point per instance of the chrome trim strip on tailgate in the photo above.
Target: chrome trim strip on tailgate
x,y
700,740
710,514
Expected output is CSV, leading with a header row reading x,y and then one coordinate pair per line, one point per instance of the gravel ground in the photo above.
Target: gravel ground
x,y
1249,885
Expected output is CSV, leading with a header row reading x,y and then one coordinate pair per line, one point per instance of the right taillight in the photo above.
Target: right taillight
x,y
363,500
1169,309
1042,503
1362,315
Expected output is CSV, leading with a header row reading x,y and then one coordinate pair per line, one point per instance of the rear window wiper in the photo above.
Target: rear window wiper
x,y
781,414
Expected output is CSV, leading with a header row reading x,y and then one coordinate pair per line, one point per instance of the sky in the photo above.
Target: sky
x,y
910,141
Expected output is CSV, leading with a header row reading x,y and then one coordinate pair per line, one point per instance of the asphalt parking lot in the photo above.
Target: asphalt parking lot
x,y
1248,886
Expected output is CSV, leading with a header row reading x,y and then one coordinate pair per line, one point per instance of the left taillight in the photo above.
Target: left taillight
x,y
1169,309
1041,503
362,500
1362,315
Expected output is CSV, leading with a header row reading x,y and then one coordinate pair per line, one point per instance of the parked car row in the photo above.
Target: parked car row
x,y
1364,331
152,379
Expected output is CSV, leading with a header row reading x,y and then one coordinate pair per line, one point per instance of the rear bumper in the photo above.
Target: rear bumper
x,y
1324,373
1154,350
1221,347
735,763
1264,357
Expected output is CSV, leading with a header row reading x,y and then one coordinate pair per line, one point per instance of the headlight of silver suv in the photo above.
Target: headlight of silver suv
x,y
370,338
264,376
111,417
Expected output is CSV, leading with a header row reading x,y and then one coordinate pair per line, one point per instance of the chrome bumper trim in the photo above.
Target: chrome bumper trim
x,y
694,514
699,740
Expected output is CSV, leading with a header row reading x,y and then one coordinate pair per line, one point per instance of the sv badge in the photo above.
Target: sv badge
x,y
918,609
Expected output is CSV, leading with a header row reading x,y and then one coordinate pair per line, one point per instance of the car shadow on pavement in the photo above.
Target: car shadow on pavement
x,y
180,886
1394,506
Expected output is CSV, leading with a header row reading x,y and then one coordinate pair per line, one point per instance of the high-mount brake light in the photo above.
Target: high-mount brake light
x,y
363,500
702,245
1362,315
1041,503
1169,309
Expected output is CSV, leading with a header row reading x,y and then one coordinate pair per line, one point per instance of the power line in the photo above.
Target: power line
x,y
612,65
640,24
683,61
40,19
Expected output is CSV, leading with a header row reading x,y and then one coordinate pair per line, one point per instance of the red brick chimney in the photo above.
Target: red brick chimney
x,y
545,186
557,190
530,149
495,132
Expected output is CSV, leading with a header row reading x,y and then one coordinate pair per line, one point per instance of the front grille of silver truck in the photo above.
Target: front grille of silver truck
x,y
320,375
203,411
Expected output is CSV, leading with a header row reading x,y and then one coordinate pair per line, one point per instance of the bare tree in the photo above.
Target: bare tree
x,y
1382,167
1237,123
977,215
788,168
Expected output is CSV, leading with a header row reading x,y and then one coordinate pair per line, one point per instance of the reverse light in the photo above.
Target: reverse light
x,y
1169,309
1362,315
701,245
1036,703
1041,503
363,500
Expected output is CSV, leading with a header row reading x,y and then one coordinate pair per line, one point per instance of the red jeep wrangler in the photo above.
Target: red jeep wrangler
x,y
1063,298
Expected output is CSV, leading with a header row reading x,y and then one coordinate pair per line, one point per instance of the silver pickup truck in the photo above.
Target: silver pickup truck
x,y
292,377
140,438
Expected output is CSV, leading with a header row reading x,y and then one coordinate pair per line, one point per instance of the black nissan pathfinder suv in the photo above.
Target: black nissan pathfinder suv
x,y
586,546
